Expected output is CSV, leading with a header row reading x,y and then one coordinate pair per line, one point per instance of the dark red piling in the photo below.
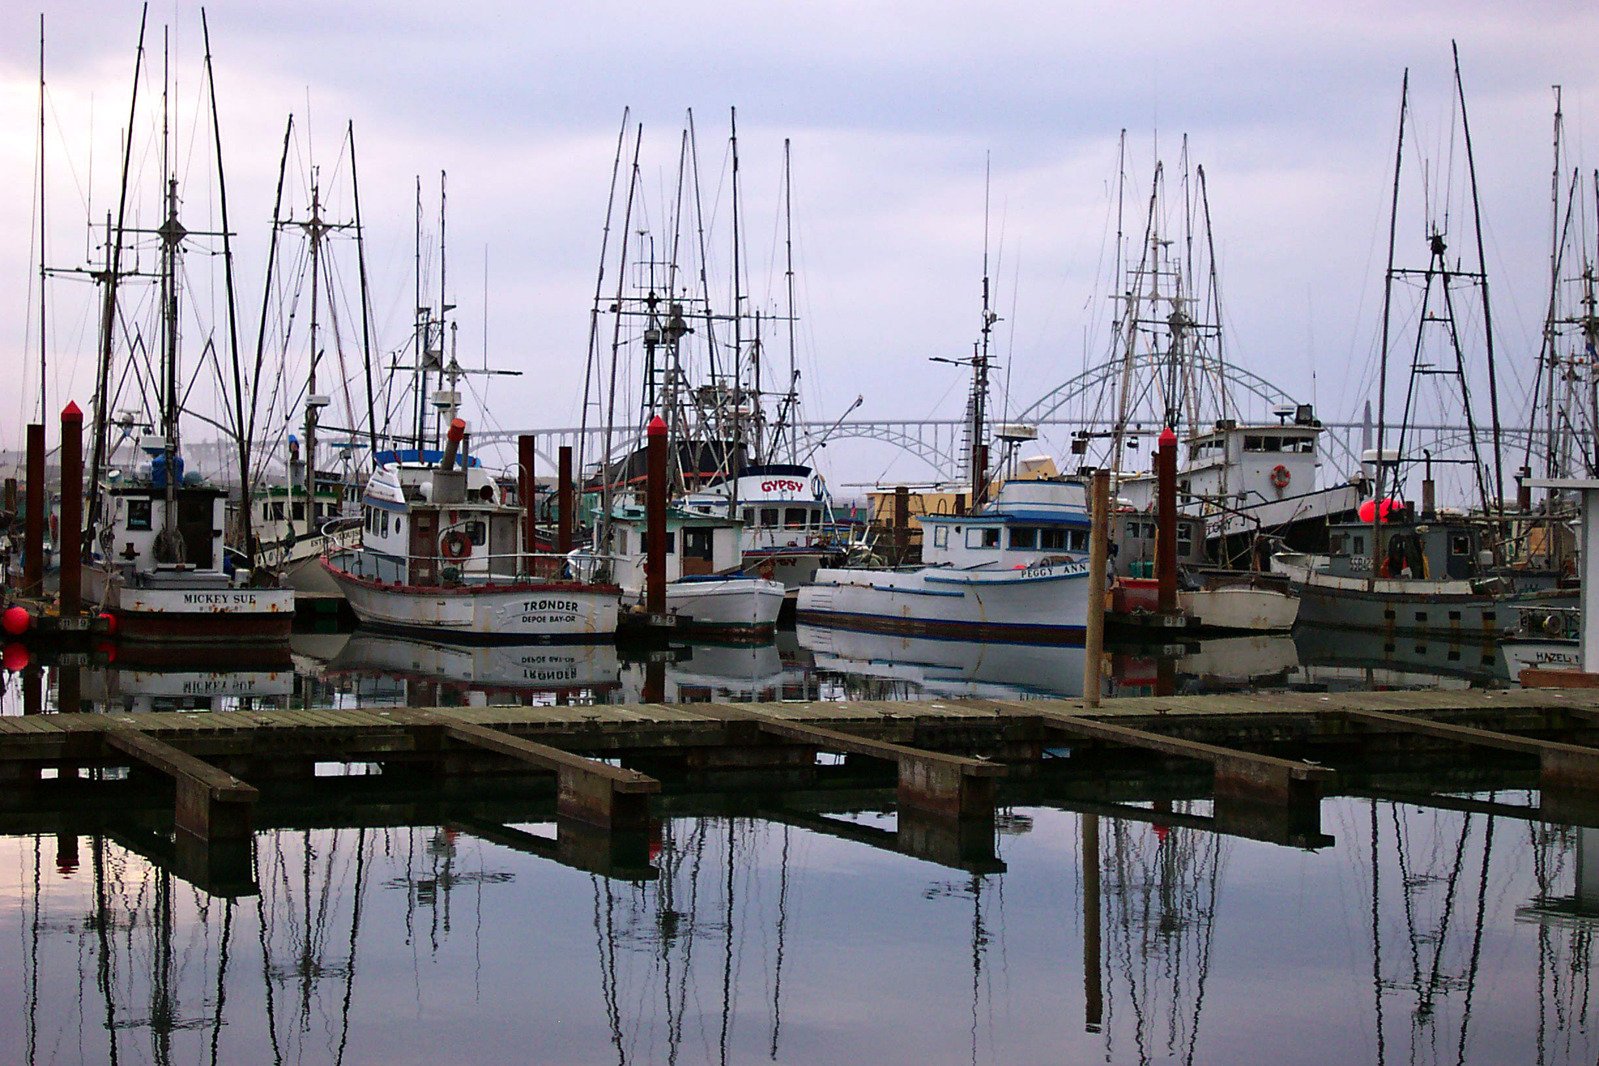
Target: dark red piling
x,y
1166,521
71,546
655,521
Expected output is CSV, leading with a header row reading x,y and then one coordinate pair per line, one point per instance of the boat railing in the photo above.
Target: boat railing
x,y
476,568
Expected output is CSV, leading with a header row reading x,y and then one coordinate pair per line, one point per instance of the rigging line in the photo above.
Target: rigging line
x,y
591,370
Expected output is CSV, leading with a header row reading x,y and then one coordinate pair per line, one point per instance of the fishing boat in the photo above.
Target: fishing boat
x,y
443,555
155,557
785,520
1213,599
1427,570
1015,570
707,589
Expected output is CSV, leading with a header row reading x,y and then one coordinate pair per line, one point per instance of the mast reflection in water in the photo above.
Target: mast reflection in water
x,y
1419,935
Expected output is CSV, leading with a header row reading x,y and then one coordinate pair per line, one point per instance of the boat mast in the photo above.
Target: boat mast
x,y
314,231
44,392
1387,309
1498,508
108,311
366,298
977,456
739,441
791,401
239,428
169,545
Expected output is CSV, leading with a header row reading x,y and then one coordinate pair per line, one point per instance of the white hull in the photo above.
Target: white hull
x,y
1047,602
728,603
508,613
207,611
793,569
1531,653
1242,609
956,669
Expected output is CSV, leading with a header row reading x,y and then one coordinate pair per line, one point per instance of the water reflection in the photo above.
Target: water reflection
x,y
811,663
1423,935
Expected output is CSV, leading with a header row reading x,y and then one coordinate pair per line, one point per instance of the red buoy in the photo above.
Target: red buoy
x,y
110,622
15,657
15,621
1369,509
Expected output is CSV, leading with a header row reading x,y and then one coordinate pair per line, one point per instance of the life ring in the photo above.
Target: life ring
x,y
1280,477
818,487
455,545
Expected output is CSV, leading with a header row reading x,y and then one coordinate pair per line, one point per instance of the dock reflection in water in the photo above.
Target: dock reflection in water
x,y
1420,935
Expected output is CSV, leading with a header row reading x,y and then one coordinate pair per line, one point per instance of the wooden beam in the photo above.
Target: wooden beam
x,y
1243,775
210,803
589,790
931,781
1562,766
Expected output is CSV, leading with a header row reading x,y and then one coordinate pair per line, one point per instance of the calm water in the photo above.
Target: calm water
x,y
434,929
1419,936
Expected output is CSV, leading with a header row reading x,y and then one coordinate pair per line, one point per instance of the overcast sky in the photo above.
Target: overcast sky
x,y
891,109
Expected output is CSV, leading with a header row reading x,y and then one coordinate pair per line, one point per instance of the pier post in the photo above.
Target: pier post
x,y
563,501
33,515
70,548
655,520
525,492
1166,521
902,522
1093,966
1098,550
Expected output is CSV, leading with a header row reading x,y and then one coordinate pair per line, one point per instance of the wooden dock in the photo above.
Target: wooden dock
x,y
1264,759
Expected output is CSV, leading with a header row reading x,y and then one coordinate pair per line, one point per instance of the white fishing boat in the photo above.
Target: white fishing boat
x,y
706,587
442,555
1016,570
156,560
786,526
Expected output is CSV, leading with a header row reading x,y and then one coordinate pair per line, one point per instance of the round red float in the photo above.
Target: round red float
x,y
1368,510
15,621
110,622
15,657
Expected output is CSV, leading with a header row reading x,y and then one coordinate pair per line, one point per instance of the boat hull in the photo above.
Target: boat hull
x,y
733,606
485,613
207,614
1241,609
1043,603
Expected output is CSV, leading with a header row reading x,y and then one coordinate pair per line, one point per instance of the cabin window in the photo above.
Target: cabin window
x,y
1052,539
1338,544
1077,540
277,511
794,517
138,514
940,536
671,541
385,523
1357,545
1459,544
750,515
1024,538
697,544
769,516
983,537
299,510
266,511
1138,529
1185,539
476,532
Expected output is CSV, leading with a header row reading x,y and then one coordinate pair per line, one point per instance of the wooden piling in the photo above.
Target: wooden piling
x,y
655,520
1166,522
563,501
1098,553
33,518
70,537
525,494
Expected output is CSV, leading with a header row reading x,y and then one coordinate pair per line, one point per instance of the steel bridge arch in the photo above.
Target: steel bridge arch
x,y
1047,407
